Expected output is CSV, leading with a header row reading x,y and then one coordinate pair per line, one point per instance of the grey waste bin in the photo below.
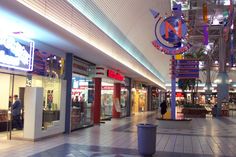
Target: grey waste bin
x,y
147,139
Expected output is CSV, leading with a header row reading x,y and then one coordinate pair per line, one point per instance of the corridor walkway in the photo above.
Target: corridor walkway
x,y
118,138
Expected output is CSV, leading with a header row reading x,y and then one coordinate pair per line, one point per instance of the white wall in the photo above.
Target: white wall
x,y
4,90
34,112
19,81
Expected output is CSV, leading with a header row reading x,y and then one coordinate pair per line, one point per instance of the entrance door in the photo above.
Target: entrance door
x,y
11,106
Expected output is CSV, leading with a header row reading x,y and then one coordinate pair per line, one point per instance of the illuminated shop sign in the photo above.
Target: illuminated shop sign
x,y
115,75
171,33
16,52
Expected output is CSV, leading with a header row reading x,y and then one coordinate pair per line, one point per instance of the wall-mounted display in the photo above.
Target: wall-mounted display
x,y
47,64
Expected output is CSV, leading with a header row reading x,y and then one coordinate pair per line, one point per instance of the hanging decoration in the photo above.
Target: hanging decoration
x,y
205,19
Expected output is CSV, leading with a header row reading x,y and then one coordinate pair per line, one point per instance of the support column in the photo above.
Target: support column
x,y
159,98
222,78
129,98
173,89
208,79
97,100
116,95
149,96
68,77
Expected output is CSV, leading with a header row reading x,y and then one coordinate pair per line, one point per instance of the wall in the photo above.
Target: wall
x,y
19,81
34,107
4,90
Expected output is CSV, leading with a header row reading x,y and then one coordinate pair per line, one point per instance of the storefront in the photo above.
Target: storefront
x,y
112,93
155,99
33,77
180,98
125,97
139,98
107,98
82,93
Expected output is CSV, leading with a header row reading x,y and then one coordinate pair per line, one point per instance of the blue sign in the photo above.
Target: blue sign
x,y
186,69
170,33
16,52
187,76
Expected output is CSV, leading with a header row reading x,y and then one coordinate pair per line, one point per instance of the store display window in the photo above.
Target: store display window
x,y
139,100
82,100
47,64
124,98
51,98
106,100
155,98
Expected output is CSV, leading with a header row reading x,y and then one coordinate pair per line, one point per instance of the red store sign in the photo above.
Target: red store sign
x,y
115,75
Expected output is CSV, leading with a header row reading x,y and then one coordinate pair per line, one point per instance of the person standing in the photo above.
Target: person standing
x,y
163,108
16,113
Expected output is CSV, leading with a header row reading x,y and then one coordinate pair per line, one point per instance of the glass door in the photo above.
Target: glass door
x,y
11,106
5,102
17,90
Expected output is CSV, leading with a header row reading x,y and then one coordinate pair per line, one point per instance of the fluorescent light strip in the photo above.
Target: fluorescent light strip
x,y
199,85
101,21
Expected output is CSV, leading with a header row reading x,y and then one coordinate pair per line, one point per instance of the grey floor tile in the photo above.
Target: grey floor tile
x,y
205,138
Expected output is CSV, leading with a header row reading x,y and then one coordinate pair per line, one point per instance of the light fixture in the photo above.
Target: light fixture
x,y
216,81
232,26
226,2
208,47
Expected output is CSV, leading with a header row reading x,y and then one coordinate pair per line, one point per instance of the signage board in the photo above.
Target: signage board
x,y
115,75
16,52
185,69
80,67
170,32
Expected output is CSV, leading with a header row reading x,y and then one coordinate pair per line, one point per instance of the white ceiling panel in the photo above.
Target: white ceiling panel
x,y
135,21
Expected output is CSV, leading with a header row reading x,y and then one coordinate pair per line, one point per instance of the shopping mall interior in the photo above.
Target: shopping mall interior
x,y
117,78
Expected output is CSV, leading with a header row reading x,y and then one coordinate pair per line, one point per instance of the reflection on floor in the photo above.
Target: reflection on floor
x,y
118,138
15,134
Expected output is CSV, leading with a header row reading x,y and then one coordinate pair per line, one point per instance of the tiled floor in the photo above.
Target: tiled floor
x,y
118,138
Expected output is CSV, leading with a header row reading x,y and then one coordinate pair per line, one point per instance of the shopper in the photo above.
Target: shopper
x,y
16,113
163,108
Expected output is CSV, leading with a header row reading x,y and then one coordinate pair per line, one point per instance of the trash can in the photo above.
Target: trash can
x,y
146,139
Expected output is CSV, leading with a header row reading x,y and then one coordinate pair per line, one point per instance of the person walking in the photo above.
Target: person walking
x,y
163,108
16,113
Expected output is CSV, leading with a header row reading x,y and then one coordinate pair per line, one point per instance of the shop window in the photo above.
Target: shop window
x,y
124,101
106,100
82,100
51,99
139,100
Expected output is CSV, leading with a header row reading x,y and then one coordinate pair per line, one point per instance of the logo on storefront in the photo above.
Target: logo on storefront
x,y
16,53
115,75
170,34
